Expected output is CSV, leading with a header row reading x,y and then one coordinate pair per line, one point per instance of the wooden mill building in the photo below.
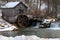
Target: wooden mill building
x,y
11,9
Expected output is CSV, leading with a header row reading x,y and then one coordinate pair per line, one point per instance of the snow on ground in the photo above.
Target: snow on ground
x,y
32,37
5,26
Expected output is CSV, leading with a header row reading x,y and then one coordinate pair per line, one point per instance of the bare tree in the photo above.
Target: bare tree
x,y
5,0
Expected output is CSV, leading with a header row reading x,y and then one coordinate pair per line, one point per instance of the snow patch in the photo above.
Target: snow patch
x,y
23,37
7,27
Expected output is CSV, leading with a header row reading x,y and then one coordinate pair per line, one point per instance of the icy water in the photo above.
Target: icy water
x,y
53,26
52,32
43,33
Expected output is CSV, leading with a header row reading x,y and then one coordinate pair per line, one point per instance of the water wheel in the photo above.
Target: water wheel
x,y
23,21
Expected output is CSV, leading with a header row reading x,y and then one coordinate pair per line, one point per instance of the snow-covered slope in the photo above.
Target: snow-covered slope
x,y
5,26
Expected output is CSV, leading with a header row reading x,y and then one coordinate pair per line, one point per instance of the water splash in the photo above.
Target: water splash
x,y
55,26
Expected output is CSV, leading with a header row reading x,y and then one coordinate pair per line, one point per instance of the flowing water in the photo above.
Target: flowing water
x,y
55,26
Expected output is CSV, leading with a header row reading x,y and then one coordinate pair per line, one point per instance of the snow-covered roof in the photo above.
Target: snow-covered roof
x,y
10,5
